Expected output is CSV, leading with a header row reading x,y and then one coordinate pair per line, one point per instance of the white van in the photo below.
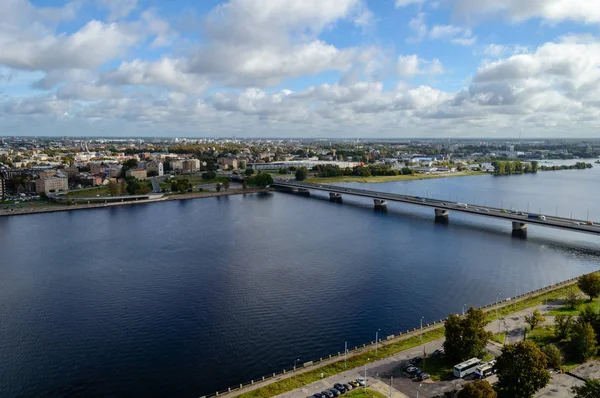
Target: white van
x,y
463,205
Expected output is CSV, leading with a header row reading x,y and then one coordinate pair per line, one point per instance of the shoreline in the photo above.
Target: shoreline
x,y
378,179
188,196
309,372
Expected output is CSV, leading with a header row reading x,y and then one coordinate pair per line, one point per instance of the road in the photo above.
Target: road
x,y
379,371
155,185
486,211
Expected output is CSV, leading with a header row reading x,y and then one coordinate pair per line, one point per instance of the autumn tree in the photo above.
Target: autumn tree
x,y
534,319
563,325
521,370
590,285
591,389
477,389
466,336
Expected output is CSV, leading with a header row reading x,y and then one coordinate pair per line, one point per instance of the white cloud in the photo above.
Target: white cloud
x,y
412,65
404,3
93,45
454,34
419,28
118,9
586,11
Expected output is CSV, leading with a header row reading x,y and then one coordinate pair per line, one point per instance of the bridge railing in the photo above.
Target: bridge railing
x,y
361,348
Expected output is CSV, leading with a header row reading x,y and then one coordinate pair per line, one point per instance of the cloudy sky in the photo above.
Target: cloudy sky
x,y
300,68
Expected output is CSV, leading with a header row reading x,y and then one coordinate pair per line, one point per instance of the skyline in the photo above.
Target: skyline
x,y
313,69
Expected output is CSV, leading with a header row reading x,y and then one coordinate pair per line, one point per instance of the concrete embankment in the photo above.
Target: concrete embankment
x,y
266,386
18,211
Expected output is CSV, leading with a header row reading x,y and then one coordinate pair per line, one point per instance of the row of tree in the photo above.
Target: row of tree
x,y
362,171
576,166
514,167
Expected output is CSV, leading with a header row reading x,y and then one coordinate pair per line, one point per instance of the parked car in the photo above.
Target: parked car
x,y
423,376
340,388
327,394
319,395
411,370
335,392
348,387
416,360
354,383
361,381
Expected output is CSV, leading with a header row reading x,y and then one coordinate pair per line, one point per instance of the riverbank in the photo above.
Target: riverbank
x,y
51,208
410,177
288,380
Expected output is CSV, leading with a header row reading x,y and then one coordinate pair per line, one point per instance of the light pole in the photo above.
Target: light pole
x,y
418,390
366,374
497,299
464,305
422,328
376,340
295,362
391,380
345,352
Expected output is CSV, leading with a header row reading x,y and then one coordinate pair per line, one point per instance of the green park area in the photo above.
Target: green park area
x,y
400,177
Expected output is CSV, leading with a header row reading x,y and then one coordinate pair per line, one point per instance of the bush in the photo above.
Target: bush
x,y
209,175
553,355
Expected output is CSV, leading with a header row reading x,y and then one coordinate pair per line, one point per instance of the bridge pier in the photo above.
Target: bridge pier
x,y
441,213
335,197
519,226
303,191
380,204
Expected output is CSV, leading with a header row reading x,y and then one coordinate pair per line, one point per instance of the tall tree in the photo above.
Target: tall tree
x,y
521,370
534,319
590,285
563,325
477,389
591,389
301,174
583,341
466,336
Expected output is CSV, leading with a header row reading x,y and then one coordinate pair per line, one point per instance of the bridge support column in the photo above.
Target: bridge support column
x,y
303,191
519,229
441,213
519,226
380,204
335,197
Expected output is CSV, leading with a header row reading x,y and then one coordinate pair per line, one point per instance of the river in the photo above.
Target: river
x,y
187,297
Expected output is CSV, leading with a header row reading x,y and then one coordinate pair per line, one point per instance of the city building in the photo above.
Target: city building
x,y
139,174
98,168
190,165
155,167
51,184
2,186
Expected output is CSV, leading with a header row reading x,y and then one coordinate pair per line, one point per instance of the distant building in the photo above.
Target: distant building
x,y
139,174
190,165
98,168
114,171
156,167
71,172
51,184
47,174
2,186
227,162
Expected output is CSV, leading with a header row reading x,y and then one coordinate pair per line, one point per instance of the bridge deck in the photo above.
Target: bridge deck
x,y
478,210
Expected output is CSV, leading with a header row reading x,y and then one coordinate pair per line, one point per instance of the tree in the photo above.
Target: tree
x,y
590,285
226,184
521,370
261,180
563,325
583,341
534,319
130,163
534,166
249,172
209,175
301,174
218,187
572,299
553,355
591,389
244,184
477,389
466,336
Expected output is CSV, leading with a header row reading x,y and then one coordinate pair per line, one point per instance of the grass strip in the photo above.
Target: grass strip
x,y
328,180
360,393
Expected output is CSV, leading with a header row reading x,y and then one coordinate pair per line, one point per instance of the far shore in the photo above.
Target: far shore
x,y
408,177
18,211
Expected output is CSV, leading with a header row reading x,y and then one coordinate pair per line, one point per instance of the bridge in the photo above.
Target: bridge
x,y
442,208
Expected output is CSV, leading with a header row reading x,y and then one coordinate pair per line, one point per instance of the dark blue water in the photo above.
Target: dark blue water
x,y
184,298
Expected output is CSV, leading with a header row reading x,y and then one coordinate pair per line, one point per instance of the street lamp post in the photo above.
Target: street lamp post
x,y
422,328
295,362
376,340
391,381
366,375
464,305
345,352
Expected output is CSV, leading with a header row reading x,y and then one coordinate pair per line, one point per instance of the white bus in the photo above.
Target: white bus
x,y
466,368
484,370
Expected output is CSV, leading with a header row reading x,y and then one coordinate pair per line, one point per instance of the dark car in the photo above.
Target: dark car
x,y
406,365
348,387
327,394
335,392
340,387
418,372
423,376
416,360
319,395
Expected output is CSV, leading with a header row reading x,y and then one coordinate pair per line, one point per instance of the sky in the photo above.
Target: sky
x,y
300,68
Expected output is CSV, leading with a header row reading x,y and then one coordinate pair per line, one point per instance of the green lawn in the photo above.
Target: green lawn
x,y
542,335
499,337
438,367
102,191
567,310
328,180
360,393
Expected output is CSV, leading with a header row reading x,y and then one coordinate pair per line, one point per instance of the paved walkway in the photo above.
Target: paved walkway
x,y
379,371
